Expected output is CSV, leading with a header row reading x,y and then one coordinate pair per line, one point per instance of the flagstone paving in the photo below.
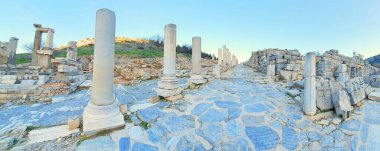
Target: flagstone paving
x,y
228,114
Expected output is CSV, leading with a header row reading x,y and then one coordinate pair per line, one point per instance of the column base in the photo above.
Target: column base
x,y
308,113
99,118
197,79
168,83
167,93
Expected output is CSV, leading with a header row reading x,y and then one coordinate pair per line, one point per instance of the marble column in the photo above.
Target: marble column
x,y
169,85
196,76
220,57
310,104
36,45
49,39
224,55
102,112
71,51
228,57
12,48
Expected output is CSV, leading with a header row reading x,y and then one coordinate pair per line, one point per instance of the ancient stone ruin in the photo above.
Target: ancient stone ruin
x,y
331,81
8,54
42,56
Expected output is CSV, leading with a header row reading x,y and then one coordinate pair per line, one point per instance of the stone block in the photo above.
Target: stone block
x,y
375,96
123,109
8,79
286,75
28,82
174,98
271,70
73,123
356,95
368,89
342,104
281,61
293,93
168,93
324,101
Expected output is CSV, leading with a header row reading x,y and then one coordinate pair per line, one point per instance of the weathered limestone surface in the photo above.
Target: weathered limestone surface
x,y
271,70
42,56
72,51
310,106
168,85
102,112
342,104
220,57
197,76
8,52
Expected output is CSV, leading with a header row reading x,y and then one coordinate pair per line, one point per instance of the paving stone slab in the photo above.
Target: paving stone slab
x,y
101,143
211,132
213,115
289,138
263,137
350,127
200,108
143,147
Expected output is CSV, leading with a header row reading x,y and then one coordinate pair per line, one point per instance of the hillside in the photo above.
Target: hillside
x,y
128,49
375,60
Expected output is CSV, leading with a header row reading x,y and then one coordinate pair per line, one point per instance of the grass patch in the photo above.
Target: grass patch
x,y
144,125
141,53
23,60
82,139
89,50
30,128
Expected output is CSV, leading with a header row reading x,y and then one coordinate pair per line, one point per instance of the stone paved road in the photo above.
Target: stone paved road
x,y
231,114
238,114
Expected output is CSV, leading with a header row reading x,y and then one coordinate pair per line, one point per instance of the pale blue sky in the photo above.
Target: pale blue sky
x,y
242,25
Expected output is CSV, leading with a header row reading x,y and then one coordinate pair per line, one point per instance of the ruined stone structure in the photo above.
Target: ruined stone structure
x,y
42,56
102,111
225,56
331,81
68,66
72,51
220,57
8,53
169,84
288,63
327,66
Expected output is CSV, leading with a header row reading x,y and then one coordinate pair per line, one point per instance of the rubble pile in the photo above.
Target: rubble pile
x,y
283,63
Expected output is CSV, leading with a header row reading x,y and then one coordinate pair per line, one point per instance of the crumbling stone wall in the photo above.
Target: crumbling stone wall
x,y
341,96
45,92
288,63
328,63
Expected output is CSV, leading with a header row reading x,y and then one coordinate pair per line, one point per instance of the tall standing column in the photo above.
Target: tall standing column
x,y
169,85
170,50
220,57
102,112
196,56
310,104
224,55
13,48
36,46
196,76
49,39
